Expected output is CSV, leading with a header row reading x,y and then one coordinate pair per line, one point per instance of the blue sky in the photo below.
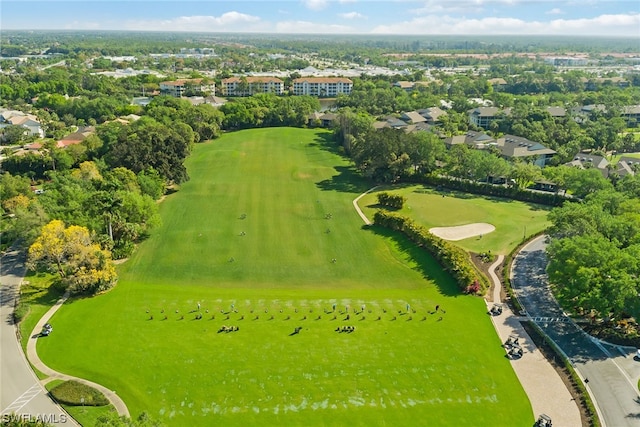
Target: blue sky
x,y
442,17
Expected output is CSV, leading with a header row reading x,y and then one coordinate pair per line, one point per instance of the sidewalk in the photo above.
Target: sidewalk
x,y
544,387
32,355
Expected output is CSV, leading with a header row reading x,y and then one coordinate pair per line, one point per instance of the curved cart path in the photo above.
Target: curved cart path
x,y
33,357
357,208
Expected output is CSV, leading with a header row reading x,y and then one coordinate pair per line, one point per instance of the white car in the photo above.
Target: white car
x,y
638,354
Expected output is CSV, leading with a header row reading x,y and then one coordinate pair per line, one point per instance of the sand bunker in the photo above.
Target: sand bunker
x,y
462,231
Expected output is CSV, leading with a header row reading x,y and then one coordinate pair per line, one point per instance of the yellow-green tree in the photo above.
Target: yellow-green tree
x,y
83,266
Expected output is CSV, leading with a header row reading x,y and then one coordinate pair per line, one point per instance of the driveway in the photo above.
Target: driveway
x,y
20,391
609,372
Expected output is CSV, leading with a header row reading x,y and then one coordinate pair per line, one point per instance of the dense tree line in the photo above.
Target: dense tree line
x,y
389,155
595,252
266,109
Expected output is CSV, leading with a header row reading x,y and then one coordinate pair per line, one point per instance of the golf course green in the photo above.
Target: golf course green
x,y
264,239
513,220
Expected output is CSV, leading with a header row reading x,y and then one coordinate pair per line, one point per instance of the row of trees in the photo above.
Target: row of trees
x,y
116,205
266,109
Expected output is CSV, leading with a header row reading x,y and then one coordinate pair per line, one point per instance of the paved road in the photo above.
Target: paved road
x,y
611,371
546,391
20,391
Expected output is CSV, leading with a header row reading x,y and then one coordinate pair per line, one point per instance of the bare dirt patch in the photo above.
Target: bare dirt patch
x,y
462,231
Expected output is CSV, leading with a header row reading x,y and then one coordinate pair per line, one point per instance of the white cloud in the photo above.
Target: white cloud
x,y
347,1
603,25
352,15
306,27
435,6
315,4
555,11
229,21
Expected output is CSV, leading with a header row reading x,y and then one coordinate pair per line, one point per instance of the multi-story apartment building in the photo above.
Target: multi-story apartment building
x,y
246,86
322,86
179,88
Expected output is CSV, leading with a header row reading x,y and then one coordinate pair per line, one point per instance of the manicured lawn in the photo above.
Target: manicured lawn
x,y
252,237
38,292
512,219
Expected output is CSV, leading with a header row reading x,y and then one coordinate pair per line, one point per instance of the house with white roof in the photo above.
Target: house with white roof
x,y
18,118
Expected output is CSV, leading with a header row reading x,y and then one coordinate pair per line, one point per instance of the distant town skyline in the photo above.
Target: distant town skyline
x,y
619,18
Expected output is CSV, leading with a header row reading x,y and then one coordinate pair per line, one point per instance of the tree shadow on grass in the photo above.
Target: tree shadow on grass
x,y
426,264
347,180
325,142
40,295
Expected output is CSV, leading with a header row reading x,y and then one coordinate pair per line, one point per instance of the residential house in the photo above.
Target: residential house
x,y
83,132
498,83
413,117
390,122
421,127
509,146
631,114
483,116
512,147
322,86
313,119
432,115
18,118
405,85
557,111
322,119
585,161
247,86
627,166
215,101
473,139
328,119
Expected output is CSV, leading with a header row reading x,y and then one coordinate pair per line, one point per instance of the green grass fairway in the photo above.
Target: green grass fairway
x,y
512,219
253,237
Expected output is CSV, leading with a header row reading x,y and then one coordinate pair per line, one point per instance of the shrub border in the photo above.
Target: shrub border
x,y
453,259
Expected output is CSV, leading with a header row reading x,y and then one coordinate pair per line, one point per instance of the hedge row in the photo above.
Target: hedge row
x,y
391,200
550,199
77,394
452,258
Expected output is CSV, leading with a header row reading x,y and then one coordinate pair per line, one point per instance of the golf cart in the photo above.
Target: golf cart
x,y
46,330
544,420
